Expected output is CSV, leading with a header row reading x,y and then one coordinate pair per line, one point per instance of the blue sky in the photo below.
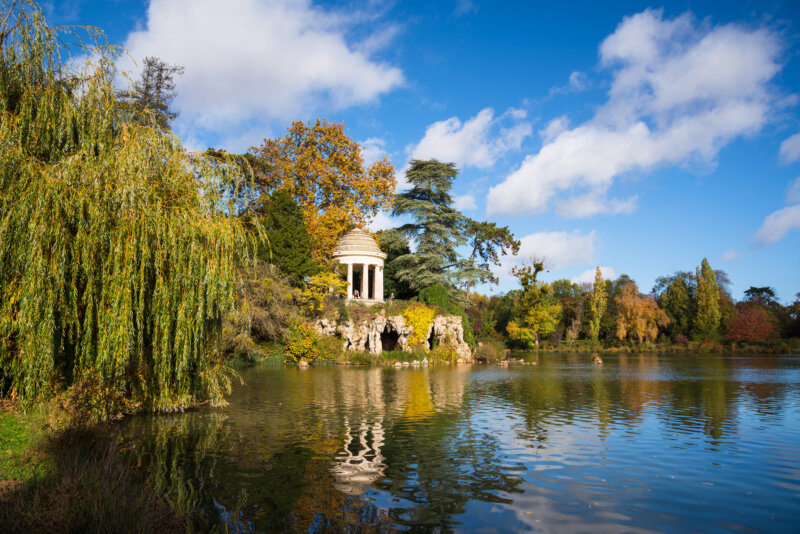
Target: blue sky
x,y
639,137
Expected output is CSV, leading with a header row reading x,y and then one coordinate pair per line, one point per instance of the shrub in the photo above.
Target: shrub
x,y
443,353
300,343
490,350
330,349
435,295
419,317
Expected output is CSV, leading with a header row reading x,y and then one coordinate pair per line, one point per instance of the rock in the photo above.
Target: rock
x,y
366,335
405,364
302,364
398,364
424,362
415,363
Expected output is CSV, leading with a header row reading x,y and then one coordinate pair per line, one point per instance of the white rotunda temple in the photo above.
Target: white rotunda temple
x,y
364,260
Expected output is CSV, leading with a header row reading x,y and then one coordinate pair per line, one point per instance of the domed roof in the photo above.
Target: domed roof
x,y
357,242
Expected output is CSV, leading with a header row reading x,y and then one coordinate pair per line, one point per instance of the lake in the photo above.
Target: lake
x,y
641,443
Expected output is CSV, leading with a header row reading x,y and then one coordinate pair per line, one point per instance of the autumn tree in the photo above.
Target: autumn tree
x,y
436,227
597,304
707,315
638,316
323,169
149,100
751,321
537,310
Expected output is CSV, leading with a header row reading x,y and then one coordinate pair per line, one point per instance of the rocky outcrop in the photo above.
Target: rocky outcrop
x,y
391,333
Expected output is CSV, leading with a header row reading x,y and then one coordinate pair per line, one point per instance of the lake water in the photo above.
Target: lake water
x,y
642,443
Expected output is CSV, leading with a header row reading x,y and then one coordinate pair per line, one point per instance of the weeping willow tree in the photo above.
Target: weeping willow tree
x,y
118,251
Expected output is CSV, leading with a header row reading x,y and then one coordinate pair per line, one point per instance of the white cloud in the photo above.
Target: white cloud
x,y
578,81
381,221
372,150
477,142
594,203
557,249
675,98
793,194
731,255
587,276
554,128
790,149
464,202
778,224
253,61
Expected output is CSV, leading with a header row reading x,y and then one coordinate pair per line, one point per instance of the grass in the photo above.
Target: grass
x,y
18,435
91,488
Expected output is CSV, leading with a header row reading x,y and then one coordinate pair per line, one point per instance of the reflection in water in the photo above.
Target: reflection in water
x,y
641,443
360,463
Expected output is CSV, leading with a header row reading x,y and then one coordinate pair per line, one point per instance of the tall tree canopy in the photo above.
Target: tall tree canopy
x,y
675,296
149,100
437,226
288,245
638,316
323,169
488,242
598,299
537,310
707,315
118,259
395,244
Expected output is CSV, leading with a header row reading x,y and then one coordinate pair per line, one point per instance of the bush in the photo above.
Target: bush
x,y
436,296
300,343
443,353
419,317
330,349
490,350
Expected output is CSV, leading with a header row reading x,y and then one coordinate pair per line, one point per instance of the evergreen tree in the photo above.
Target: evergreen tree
x,y
675,298
707,316
437,227
597,304
488,242
289,245
395,244
149,99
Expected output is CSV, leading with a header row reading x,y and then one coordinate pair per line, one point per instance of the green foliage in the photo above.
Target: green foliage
x,y
300,343
437,227
395,244
707,316
119,257
148,101
288,246
675,298
598,299
488,242
437,295
537,310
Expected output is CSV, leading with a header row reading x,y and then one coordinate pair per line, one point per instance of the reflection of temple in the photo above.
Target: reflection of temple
x,y
360,463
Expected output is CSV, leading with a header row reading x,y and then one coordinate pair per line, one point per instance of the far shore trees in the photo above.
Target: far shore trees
x,y
707,316
537,310
597,304
638,317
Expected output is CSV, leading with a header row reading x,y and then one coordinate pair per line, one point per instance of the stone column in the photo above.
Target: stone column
x,y
349,281
379,283
364,280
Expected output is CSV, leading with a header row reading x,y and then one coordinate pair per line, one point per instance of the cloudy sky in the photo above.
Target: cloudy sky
x,y
638,137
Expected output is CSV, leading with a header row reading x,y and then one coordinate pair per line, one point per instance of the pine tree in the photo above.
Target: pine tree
x,y
437,227
597,304
149,99
707,316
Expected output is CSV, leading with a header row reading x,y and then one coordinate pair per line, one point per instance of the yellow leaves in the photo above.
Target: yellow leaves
x,y
638,316
419,317
322,286
324,171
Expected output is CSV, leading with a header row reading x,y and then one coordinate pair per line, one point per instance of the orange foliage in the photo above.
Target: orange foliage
x,y
751,322
638,316
324,171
